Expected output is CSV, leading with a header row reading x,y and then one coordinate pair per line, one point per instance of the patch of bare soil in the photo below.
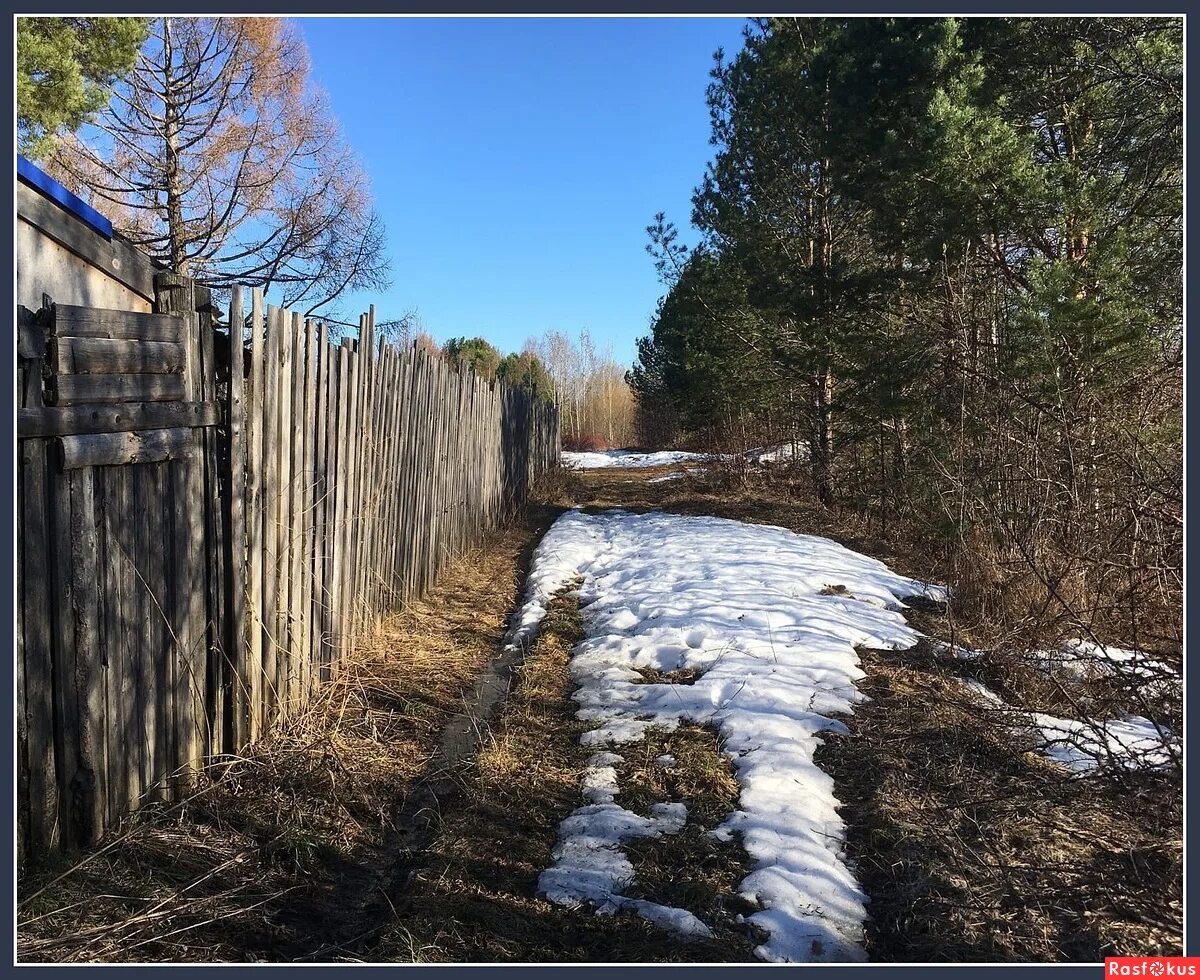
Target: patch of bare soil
x,y
690,870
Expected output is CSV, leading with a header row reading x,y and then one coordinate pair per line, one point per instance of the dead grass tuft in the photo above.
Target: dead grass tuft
x,y
692,869
558,487
685,676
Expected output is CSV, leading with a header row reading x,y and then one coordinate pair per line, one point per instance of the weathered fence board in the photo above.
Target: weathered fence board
x,y
120,417
90,355
253,469
269,465
83,321
234,495
71,389
36,652
120,448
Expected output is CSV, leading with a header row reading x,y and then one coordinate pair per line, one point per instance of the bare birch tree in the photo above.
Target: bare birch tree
x,y
595,399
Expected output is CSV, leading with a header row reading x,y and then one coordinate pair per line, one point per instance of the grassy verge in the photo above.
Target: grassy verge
x,y
974,848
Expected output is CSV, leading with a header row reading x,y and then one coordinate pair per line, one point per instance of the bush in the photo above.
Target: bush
x,y
584,442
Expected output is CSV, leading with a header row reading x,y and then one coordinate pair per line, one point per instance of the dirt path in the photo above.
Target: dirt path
x,y
367,901
472,892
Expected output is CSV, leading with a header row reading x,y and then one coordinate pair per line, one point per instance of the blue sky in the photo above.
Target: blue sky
x,y
516,162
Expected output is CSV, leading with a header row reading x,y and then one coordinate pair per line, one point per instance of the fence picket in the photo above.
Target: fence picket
x,y
254,517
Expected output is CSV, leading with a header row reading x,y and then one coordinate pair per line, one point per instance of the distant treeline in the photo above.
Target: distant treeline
x,y
595,401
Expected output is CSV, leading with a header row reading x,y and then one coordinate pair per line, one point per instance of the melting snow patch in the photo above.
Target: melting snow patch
x,y
742,606
1129,742
955,650
589,865
674,476
599,782
1084,660
679,921
627,459
985,693
779,453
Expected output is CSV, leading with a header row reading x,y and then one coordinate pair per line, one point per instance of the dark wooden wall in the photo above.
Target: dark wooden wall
x,y
206,526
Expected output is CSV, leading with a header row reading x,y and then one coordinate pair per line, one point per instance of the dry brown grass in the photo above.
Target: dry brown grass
x,y
473,898
975,849
273,849
691,869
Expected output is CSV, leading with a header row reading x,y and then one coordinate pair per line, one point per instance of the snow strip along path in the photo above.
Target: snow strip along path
x,y
743,604
628,459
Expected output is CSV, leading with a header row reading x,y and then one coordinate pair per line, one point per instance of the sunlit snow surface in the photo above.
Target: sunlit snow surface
x,y
628,459
744,604
1084,660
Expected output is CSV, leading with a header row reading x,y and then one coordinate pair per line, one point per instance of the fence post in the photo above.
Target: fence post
x,y
38,763
176,294
236,638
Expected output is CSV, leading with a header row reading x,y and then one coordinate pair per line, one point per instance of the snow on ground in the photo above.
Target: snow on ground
x,y
782,452
676,475
743,604
955,650
1128,742
628,459
1084,660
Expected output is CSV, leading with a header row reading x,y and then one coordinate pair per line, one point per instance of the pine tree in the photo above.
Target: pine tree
x,y
474,353
66,67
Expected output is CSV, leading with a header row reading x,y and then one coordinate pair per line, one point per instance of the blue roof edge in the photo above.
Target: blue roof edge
x,y
42,182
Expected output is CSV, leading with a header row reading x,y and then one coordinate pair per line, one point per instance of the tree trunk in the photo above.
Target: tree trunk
x,y
822,454
175,227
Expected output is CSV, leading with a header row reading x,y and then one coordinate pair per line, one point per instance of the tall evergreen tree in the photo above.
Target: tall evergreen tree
x,y
66,67
961,241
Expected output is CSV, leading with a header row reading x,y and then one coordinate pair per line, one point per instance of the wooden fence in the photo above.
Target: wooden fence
x,y
365,467
205,526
